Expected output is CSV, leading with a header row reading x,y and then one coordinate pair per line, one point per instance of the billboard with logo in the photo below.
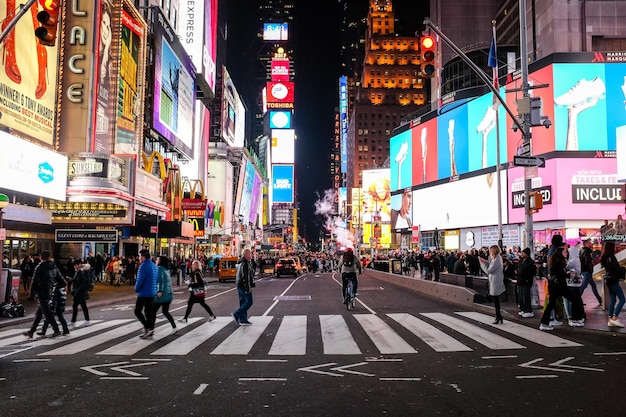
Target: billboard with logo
x,y
174,91
233,113
283,146
275,32
218,213
280,69
282,183
280,92
28,78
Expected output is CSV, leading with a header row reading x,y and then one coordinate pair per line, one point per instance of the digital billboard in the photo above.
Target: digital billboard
x,y
28,78
400,163
256,200
402,211
280,119
572,188
376,196
275,32
218,214
452,143
282,183
468,202
425,154
174,88
481,132
280,69
343,121
245,200
233,113
280,92
283,146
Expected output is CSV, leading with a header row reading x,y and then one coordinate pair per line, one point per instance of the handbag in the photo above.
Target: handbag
x,y
198,292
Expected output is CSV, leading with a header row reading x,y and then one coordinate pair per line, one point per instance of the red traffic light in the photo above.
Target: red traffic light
x,y
427,42
428,46
49,19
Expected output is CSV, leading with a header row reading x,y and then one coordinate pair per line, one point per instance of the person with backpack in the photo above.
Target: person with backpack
x,y
586,265
349,267
80,294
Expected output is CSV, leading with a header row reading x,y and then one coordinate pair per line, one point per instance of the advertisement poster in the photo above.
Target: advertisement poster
x,y
283,146
28,78
246,193
174,89
376,195
401,164
615,76
209,57
217,215
452,144
255,199
482,135
282,183
424,151
402,211
233,113
106,107
130,97
343,121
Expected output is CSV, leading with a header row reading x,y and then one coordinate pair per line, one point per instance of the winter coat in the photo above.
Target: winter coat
x,y
59,296
81,284
355,267
147,277
44,278
164,286
245,275
526,271
495,276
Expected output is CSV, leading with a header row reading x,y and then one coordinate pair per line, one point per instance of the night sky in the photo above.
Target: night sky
x,y
317,70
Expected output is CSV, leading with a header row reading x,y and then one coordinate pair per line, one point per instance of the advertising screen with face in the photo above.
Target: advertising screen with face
x,y
402,211
400,163
376,196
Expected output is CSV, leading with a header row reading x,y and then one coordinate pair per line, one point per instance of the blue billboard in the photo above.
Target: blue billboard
x,y
282,183
401,161
343,120
280,119
452,143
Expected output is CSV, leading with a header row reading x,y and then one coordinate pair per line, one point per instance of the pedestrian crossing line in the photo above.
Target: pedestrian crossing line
x,y
192,339
85,344
135,344
482,336
242,339
21,339
291,337
384,337
522,331
336,336
431,335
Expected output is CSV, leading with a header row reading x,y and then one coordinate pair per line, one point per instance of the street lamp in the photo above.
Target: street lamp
x,y
4,201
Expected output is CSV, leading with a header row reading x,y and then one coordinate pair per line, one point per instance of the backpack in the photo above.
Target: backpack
x,y
349,263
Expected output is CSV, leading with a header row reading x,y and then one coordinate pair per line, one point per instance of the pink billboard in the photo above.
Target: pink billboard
x,y
572,189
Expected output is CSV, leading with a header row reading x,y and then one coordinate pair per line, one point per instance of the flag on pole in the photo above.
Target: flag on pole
x,y
493,57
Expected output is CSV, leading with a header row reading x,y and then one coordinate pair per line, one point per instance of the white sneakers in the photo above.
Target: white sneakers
x,y
488,122
615,323
556,323
528,315
576,323
545,327
583,91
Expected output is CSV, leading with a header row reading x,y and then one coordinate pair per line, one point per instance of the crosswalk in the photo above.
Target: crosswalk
x,y
390,334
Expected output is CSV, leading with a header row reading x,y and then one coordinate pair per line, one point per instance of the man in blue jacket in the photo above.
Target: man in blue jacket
x,y
146,289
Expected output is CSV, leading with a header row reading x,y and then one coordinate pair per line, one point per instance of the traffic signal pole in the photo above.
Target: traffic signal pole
x,y
524,123
25,8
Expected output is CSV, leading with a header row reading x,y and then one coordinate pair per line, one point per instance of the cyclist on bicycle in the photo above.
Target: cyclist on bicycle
x,y
350,267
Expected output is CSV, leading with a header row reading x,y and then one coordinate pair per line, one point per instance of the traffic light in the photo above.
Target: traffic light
x,y
428,46
49,19
536,201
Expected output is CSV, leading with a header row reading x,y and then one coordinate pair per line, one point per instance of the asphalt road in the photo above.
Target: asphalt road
x,y
397,354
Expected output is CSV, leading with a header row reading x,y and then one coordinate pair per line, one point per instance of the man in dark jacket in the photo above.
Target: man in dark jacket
x,y
45,275
586,265
526,271
245,282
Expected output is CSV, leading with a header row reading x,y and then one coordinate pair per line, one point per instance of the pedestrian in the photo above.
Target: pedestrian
x,y
557,287
525,274
495,275
146,289
196,292
586,270
45,275
244,281
164,291
574,280
57,305
27,269
614,273
80,293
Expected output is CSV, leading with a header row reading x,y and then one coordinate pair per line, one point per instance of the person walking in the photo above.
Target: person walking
x,y
245,282
165,294
45,275
146,289
614,272
80,293
57,305
495,275
557,287
196,292
350,268
525,274
586,270
574,280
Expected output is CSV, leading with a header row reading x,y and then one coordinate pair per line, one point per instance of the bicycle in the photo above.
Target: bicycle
x,y
350,296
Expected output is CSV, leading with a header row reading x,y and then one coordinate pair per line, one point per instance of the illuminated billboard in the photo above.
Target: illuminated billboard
x,y
28,78
256,200
233,113
218,214
452,144
280,69
282,183
425,155
401,164
275,32
402,211
283,146
245,199
343,121
280,92
280,119
376,196
174,88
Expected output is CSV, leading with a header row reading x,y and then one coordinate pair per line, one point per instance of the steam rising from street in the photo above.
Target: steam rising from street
x,y
325,207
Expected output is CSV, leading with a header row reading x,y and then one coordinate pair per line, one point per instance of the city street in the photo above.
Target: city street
x,y
305,354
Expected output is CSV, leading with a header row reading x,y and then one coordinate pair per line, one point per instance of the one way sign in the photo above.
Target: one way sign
x,y
529,161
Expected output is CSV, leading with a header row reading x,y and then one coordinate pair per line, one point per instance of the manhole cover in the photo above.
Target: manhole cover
x,y
292,298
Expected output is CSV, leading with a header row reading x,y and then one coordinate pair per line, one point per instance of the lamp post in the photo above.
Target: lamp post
x,y
4,201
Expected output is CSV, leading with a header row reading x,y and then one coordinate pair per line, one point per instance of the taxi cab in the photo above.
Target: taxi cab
x,y
227,268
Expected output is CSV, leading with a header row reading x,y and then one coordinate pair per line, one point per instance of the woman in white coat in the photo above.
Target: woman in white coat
x,y
495,274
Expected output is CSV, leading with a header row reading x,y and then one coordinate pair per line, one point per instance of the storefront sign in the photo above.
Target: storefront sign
x,y
96,214
27,214
85,235
148,186
89,169
519,197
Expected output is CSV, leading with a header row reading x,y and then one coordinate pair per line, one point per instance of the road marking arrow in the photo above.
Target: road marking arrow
x,y
582,368
118,367
345,369
558,366
530,364
314,370
123,369
92,369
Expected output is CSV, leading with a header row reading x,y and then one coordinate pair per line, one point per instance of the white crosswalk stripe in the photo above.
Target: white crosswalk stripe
x,y
393,334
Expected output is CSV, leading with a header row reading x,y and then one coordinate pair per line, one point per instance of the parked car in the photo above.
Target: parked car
x,y
286,266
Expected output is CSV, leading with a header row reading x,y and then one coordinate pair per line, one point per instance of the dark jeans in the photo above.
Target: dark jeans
x,y
344,282
199,300
59,315
43,309
145,304
588,280
83,306
166,312
496,304
555,291
245,302
525,303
